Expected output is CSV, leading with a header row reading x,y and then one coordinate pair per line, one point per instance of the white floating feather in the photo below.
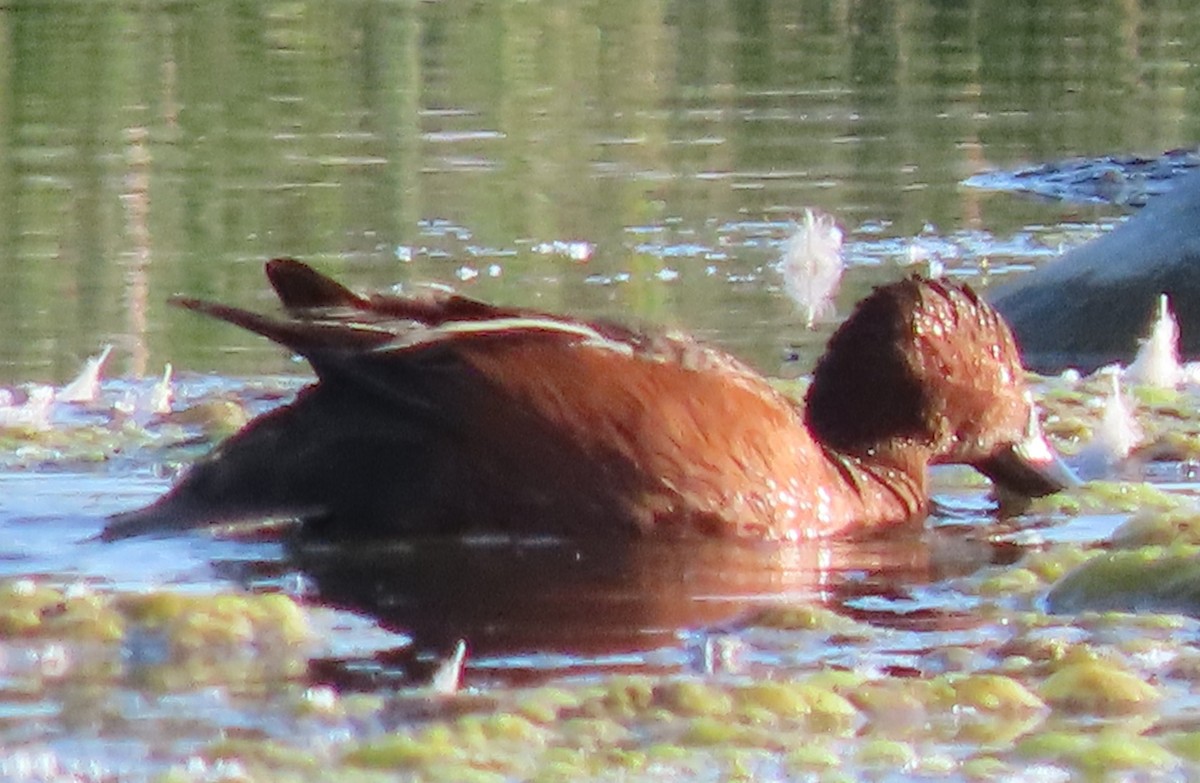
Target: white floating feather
x,y
447,679
143,403
1114,439
1157,360
813,264
86,386
158,401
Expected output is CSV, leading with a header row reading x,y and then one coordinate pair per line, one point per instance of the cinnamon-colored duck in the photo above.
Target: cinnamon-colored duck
x,y
438,415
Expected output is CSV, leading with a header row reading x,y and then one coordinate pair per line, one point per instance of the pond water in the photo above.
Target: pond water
x,y
643,160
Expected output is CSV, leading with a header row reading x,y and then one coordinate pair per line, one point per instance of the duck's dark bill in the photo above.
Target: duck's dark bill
x,y
1030,470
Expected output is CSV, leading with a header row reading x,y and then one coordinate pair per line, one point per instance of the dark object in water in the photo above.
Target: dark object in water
x,y
1089,308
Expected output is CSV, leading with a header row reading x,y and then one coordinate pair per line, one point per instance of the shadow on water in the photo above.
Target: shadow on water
x,y
534,610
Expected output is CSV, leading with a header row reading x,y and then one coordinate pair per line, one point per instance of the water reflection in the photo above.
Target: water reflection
x,y
153,150
534,608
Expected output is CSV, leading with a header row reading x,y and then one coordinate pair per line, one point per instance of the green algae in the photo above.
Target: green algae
x,y
619,697
1106,750
794,701
262,754
28,609
545,705
707,730
677,727
808,617
402,750
1013,581
996,732
1054,746
991,693
218,622
896,701
1167,418
102,433
1050,565
985,768
1161,528
500,727
216,418
675,723
219,638
1185,744
1027,687
1098,688
88,445
594,734
692,698
1157,398
1149,579
890,754
1109,497
813,755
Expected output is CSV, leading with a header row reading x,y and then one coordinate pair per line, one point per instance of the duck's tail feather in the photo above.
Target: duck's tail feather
x,y
304,336
147,521
169,516
172,513
301,288
308,294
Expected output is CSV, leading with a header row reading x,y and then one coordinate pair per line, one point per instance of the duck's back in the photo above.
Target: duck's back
x,y
441,415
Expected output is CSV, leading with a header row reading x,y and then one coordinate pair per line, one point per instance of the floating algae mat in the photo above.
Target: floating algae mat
x,y
1060,642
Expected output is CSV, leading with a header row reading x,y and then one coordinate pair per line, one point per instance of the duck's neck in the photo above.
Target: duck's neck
x,y
890,484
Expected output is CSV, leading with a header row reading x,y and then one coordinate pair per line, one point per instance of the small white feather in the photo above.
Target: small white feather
x,y
1157,360
813,264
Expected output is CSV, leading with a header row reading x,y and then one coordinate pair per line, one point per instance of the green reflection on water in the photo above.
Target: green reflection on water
x,y
162,148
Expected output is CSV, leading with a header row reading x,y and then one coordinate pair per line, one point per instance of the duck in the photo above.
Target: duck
x,y
434,414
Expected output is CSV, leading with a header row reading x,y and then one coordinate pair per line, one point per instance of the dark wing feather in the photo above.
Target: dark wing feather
x,y
306,293
397,347
308,337
302,288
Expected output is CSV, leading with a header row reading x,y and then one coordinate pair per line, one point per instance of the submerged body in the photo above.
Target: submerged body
x,y
441,415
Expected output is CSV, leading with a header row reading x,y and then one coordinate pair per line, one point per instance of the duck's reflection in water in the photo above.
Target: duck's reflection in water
x,y
530,609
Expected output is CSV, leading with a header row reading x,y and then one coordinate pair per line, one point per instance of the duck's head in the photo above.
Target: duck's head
x,y
924,371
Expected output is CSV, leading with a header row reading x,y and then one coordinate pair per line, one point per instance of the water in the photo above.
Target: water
x,y
644,160
172,148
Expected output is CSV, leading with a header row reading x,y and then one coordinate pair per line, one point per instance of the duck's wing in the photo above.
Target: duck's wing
x,y
326,322
398,346
323,316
